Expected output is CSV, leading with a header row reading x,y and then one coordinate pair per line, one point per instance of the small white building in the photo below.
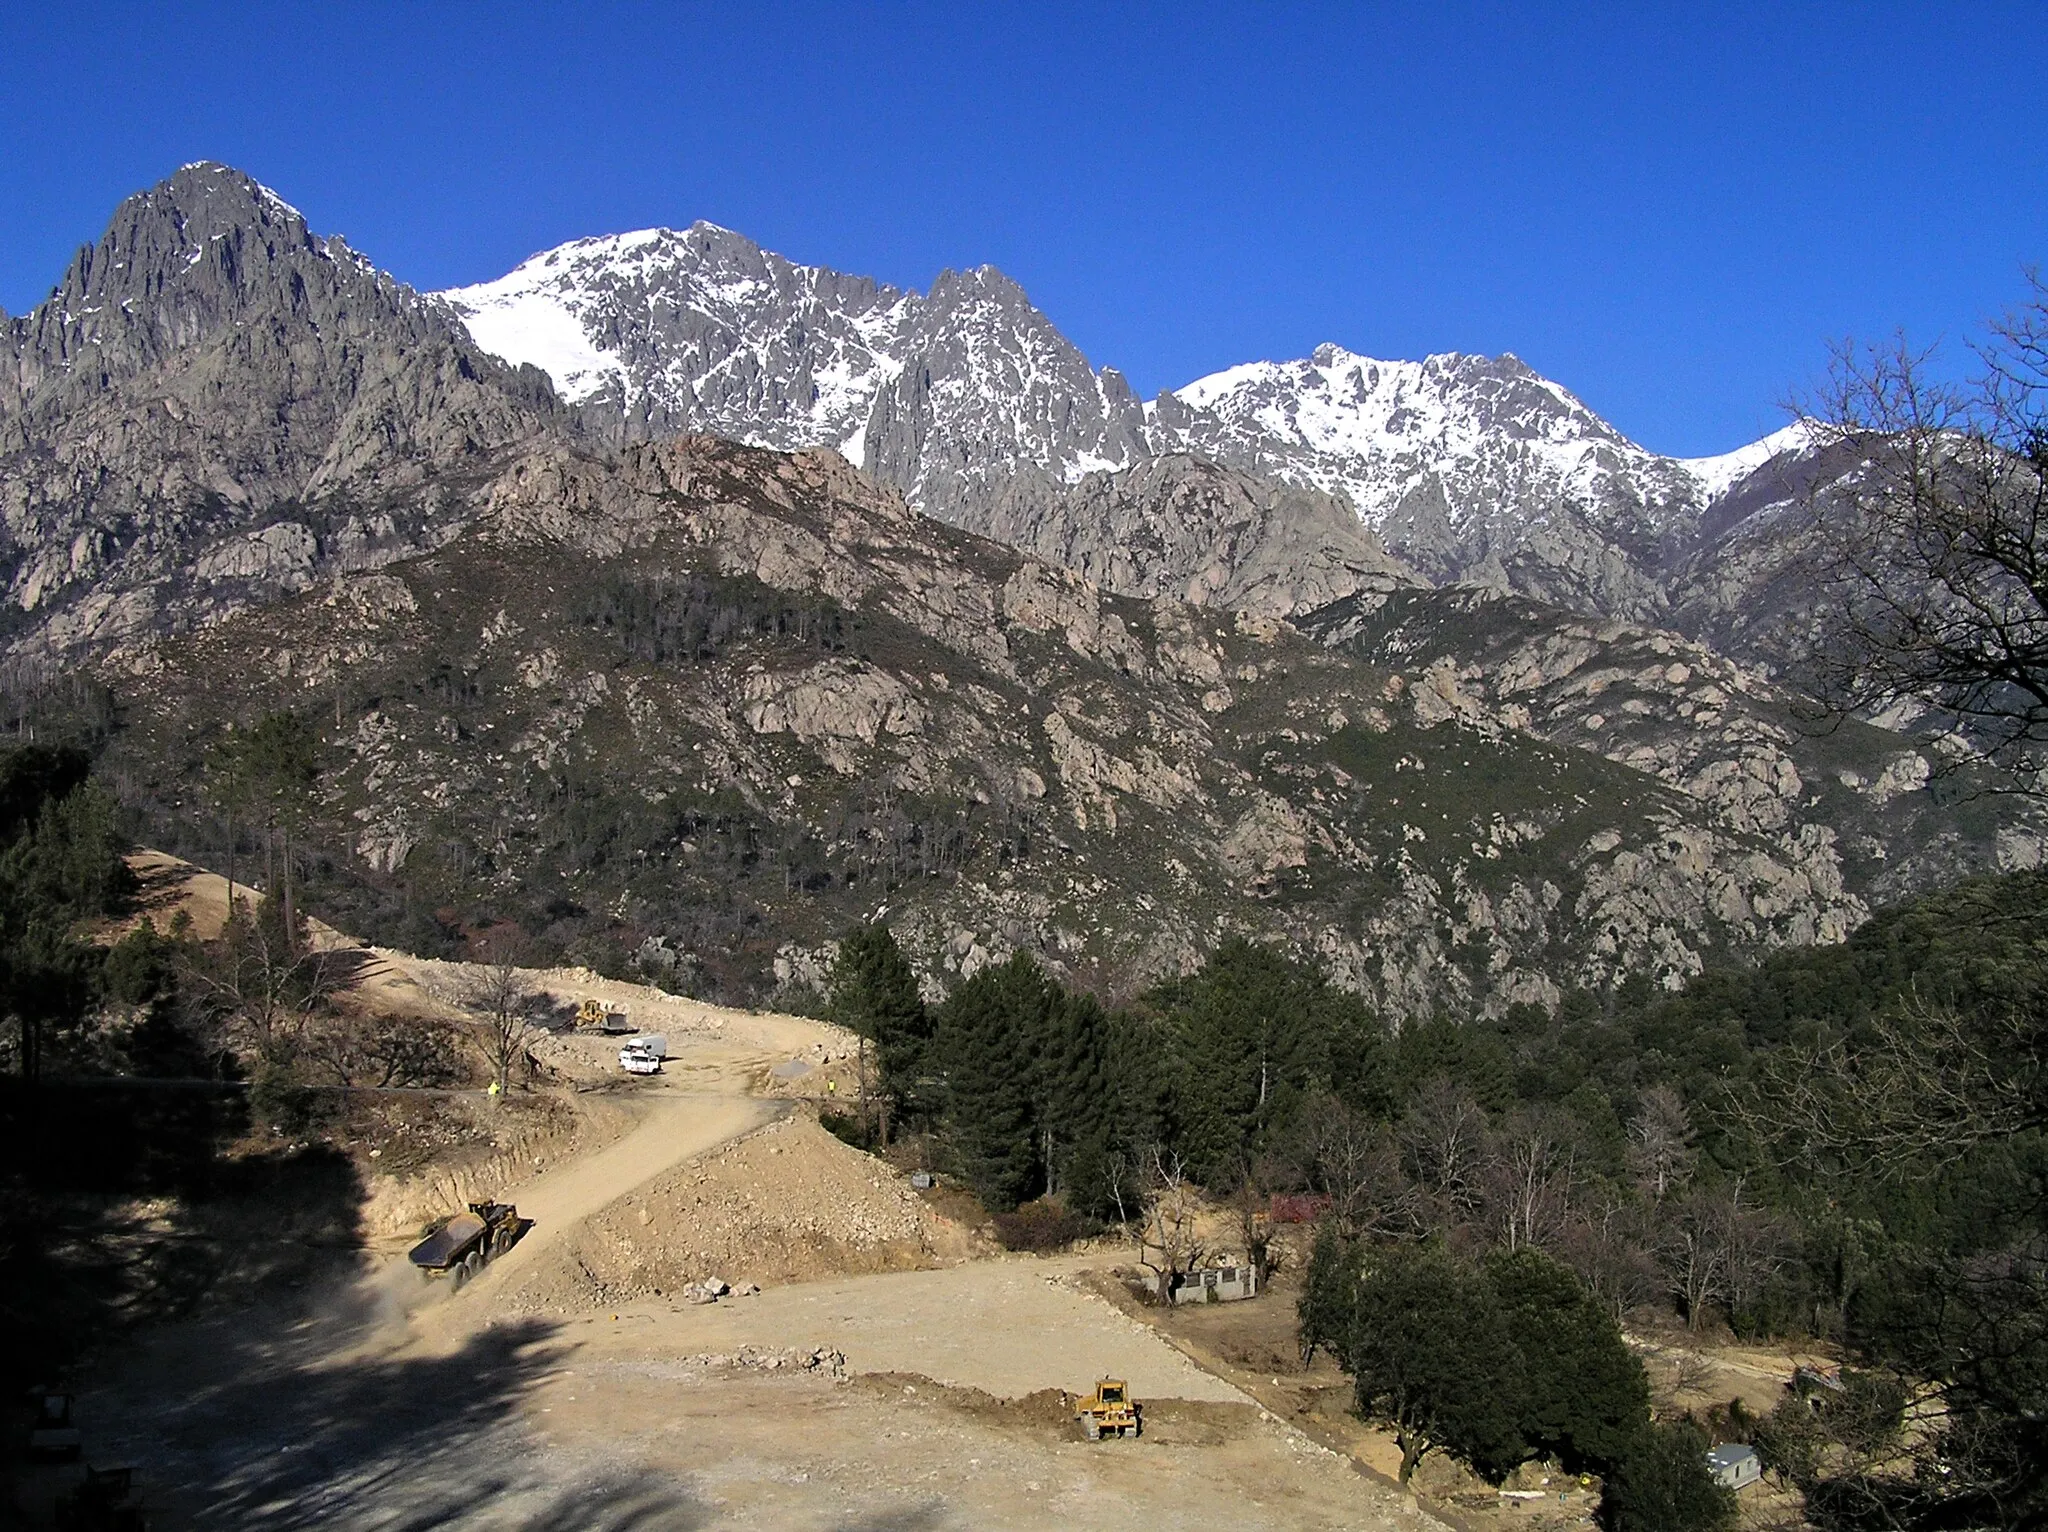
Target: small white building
x,y
1216,1284
1734,1465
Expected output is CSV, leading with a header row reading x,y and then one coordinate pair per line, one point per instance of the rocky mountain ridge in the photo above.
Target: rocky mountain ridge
x,y
624,684
949,394
701,698
1469,469
204,372
217,407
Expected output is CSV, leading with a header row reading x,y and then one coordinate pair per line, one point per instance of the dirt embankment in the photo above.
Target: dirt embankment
x,y
465,1151
789,1203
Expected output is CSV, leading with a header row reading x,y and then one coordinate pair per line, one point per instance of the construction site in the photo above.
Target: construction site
x,y
667,1299
607,1296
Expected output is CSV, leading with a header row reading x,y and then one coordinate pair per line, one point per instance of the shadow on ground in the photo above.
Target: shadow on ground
x,y
381,1441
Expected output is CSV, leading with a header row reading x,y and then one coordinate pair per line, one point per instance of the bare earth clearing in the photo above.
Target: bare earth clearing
x,y
892,1374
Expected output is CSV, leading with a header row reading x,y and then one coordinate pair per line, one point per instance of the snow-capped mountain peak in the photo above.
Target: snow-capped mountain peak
x,y
685,323
1720,473
1470,467
944,393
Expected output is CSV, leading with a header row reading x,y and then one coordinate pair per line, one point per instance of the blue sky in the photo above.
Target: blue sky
x,y
1671,210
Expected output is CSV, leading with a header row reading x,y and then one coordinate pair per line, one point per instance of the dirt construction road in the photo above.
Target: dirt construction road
x,y
676,1125
903,1399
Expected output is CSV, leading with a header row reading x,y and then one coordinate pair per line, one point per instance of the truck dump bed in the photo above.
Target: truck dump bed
x,y
450,1243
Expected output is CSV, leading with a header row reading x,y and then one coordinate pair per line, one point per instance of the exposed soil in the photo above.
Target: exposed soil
x,y
789,1203
572,1386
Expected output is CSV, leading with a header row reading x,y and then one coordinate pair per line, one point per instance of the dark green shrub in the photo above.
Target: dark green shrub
x,y
1663,1485
1039,1226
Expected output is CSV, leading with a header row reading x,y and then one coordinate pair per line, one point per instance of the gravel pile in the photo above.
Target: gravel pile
x,y
789,1203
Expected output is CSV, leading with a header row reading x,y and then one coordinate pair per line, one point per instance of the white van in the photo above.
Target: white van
x,y
643,1055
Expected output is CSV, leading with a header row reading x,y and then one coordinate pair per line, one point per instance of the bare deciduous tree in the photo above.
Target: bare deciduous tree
x,y
1352,1160
1924,1086
1679,1376
1527,1178
499,993
1443,1143
1170,1243
1716,1252
1660,1143
261,983
1933,546
1694,1247
1608,1242
1759,1247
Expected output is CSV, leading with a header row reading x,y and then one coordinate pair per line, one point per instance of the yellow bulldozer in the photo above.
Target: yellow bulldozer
x,y
1109,1411
602,1016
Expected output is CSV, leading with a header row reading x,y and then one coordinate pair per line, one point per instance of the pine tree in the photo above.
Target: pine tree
x,y
1072,1104
875,994
989,1032
1252,1032
281,756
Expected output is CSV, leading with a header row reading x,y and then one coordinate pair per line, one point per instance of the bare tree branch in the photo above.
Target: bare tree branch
x,y
1923,1089
1933,545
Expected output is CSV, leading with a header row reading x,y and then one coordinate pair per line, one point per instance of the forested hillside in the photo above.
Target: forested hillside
x,y
1842,1143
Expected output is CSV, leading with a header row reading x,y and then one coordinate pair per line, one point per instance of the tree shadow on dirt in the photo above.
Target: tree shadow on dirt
x,y
195,1282
640,1502
119,1206
919,1518
387,1441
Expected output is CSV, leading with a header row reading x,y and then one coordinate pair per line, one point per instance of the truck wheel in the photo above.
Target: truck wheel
x,y
457,1275
474,1262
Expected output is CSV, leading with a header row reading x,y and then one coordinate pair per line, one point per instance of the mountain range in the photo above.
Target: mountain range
x,y
1467,468
679,604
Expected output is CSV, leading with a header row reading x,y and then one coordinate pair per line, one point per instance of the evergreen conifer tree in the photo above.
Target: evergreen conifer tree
x,y
875,993
1252,1032
1073,1095
989,1034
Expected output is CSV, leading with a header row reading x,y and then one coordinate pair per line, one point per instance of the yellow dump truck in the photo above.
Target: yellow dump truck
x,y
1109,1411
460,1247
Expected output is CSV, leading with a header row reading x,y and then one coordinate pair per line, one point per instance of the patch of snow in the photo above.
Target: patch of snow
x,y
1719,474
277,204
523,320
1085,462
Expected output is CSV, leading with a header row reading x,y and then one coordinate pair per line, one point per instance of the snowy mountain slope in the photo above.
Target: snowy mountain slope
x,y
970,401
945,394
699,330
1470,468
